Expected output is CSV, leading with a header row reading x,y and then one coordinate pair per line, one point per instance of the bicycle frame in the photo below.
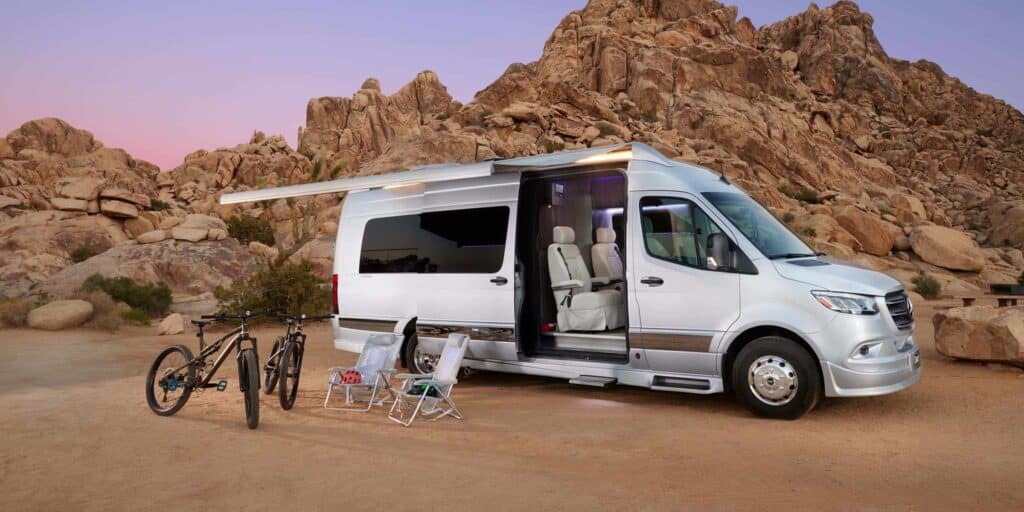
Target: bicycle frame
x,y
238,336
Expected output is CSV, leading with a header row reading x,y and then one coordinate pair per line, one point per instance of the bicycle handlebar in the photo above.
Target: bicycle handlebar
x,y
220,318
303,318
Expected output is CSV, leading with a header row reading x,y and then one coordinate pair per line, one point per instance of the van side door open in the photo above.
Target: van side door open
x,y
683,304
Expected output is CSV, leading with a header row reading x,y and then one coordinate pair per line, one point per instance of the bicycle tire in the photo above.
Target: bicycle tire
x,y
291,368
183,380
248,375
273,368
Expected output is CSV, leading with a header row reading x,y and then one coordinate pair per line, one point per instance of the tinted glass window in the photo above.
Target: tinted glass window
x,y
454,242
770,236
389,245
676,230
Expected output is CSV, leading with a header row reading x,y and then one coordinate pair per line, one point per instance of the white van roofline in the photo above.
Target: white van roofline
x,y
447,172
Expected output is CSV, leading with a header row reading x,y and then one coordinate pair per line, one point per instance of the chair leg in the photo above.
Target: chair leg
x,y
415,411
330,388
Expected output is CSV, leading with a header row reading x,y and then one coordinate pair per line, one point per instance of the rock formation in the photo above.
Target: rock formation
x,y
891,164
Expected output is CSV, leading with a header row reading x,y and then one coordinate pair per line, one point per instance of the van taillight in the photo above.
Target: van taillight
x,y
334,293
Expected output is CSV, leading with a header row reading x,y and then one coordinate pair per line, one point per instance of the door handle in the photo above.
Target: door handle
x,y
499,280
652,281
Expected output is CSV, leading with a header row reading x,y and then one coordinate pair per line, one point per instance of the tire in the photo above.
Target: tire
x,y
291,369
777,378
416,362
272,368
249,381
157,385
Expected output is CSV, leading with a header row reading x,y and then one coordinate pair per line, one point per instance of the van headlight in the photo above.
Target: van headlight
x,y
849,303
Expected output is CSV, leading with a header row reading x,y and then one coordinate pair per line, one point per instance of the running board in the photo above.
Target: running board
x,y
593,381
663,383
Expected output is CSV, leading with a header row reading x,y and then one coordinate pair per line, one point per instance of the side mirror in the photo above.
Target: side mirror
x,y
720,254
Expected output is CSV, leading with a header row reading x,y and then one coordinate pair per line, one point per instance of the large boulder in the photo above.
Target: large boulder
x,y
873,233
79,187
115,208
981,333
187,268
947,248
60,314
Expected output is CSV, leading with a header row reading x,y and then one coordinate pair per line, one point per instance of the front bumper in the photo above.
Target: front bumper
x,y
878,376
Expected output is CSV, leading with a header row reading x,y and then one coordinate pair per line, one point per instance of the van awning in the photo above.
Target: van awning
x,y
447,172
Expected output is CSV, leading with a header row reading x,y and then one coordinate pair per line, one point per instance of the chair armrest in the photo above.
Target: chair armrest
x,y
408,376
567,285
600,281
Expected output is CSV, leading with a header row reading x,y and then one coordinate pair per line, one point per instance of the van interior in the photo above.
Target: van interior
x,y
571,299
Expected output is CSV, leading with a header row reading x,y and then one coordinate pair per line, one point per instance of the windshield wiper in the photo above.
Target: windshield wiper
x,y
789,255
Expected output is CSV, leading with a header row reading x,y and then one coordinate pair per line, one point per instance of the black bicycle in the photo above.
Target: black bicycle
x,y
285,362
175,373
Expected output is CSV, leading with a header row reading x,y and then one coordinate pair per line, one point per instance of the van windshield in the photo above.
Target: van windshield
x,y
770,236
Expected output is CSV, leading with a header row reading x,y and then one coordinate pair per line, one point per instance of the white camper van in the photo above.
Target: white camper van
x,y
611,265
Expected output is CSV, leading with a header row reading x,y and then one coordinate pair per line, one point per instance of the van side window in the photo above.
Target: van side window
x,y
676,230
468,241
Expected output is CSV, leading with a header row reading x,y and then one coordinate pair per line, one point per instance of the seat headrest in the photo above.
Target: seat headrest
x,y
605,235
564,235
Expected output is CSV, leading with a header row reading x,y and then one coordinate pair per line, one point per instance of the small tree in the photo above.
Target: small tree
x,y
293,288
153,299
245,229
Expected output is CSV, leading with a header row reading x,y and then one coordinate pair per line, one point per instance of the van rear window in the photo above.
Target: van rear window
x,y
468,241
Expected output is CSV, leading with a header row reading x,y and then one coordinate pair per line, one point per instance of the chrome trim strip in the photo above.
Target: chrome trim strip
x,y
431,330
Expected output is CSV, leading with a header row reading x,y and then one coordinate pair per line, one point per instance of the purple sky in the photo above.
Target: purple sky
x,y
162,79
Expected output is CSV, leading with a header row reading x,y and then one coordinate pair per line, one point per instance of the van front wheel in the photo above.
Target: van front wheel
x,y
775,377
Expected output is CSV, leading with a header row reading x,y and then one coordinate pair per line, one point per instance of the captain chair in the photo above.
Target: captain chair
x,y
579,308
605,256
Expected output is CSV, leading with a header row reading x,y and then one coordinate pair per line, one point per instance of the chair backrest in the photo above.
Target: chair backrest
x,y
565,261
379,353
605,255
448,364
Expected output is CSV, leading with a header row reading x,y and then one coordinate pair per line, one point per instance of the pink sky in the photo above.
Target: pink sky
x,y
164,79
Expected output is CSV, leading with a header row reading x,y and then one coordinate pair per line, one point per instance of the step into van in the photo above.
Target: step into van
x,y
611,265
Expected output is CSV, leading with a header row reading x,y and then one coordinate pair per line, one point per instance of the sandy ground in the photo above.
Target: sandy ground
x,y
75,433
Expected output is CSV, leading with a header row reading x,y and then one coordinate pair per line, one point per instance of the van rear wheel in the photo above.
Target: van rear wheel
x,y
776,378
416,360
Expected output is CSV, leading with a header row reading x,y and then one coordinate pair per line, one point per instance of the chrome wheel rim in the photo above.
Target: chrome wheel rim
x,y
424,362
773,380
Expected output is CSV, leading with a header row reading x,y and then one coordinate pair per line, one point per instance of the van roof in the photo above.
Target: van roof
x,y
447,172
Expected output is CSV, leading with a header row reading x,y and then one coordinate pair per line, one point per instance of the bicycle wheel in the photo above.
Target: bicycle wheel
x,y
169,381
291,366
248,376
272,368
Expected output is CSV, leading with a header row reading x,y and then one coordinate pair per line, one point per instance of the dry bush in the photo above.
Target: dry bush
x,y
14,312
106,313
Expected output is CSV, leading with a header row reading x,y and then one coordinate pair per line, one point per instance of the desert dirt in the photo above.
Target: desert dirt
x,y
75,432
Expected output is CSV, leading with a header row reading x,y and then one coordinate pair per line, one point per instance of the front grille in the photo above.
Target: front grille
x,y
899,309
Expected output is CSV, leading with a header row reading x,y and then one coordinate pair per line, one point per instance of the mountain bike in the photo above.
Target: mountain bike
x,y
285,362
176,373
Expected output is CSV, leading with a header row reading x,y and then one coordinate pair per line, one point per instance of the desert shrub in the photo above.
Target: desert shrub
x,y
788,217
135,316
484,114
317,169
153,299
927,286
1020,280
293,288
106,313
82,253
552,146
649,116
606,129
809,232
442,116
158,205
804,194
339,165
14,312
246,228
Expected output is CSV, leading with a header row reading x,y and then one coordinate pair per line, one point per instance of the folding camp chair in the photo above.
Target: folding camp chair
x,y
375,364
431,394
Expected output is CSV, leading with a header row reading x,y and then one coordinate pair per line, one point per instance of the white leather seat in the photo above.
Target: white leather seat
x,y
579,308
605,256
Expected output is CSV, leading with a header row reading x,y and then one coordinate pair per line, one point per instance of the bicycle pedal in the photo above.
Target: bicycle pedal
x,y
222,385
